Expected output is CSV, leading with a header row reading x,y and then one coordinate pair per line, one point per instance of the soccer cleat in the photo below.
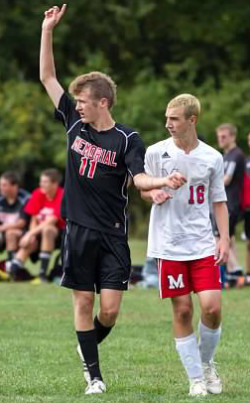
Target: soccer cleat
x,y
212,379
86,373
197,387
95,386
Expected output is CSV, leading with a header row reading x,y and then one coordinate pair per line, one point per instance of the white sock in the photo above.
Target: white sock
x,y
188,350
209,338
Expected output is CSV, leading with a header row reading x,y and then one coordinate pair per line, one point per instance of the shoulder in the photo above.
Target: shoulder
x,y
125,131
2,200
37,193
235,154
239,153
210,152
23,195
157,148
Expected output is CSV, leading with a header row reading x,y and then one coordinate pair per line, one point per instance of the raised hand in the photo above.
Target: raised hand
x,y
53,16
175,180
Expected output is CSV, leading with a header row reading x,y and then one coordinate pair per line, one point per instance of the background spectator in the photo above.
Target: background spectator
x,y
45,226
246,205
233,180
13,220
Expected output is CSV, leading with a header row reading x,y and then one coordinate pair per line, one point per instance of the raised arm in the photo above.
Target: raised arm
x,y
47,65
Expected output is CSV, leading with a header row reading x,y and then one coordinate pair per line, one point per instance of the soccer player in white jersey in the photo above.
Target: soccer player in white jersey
x,y
180,237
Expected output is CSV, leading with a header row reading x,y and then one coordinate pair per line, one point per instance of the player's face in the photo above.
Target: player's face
x,y
6,188
176,122
46,185
224,138
87,107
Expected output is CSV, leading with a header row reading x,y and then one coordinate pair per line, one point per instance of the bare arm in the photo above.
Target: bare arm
x,y
221,218
227,179
47,65
19,224
36,228
145,182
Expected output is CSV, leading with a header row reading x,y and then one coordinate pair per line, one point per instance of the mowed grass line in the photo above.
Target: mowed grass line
x,y
38,362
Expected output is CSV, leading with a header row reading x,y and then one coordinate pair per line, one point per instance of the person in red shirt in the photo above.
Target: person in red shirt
x,y
46,223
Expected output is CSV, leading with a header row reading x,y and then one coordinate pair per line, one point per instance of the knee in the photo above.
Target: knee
x,y
212,313
184,315
108,316
49,231
84,306
12,234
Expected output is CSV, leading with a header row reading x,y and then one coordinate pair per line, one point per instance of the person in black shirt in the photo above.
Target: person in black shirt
x,y
13,220
234,165
102,154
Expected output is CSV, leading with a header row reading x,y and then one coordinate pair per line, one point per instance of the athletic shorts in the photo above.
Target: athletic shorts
x,y
93,260
247,223
233,221
181,278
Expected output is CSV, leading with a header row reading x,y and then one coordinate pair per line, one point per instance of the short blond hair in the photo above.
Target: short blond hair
x,y
101,86
190,103
228,126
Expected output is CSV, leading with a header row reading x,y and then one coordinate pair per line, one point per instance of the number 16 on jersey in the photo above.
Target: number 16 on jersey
x,y
196,194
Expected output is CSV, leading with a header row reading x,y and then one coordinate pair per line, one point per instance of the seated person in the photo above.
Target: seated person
x,y
45,226
13,220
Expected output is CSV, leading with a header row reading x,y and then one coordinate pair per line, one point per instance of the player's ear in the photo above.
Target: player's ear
x,y
193,119
104,103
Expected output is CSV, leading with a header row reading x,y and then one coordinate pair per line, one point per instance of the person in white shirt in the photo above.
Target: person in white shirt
x,y
181,238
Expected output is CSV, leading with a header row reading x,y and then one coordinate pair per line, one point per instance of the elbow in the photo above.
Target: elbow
x,y
138,181
137,184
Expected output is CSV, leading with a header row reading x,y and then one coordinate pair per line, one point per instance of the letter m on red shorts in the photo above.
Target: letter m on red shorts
x,y
175,283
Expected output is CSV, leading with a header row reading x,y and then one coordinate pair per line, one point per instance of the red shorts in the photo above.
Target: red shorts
x,y
180,278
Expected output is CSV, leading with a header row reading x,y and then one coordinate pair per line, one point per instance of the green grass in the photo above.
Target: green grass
x,y
38,362
139,248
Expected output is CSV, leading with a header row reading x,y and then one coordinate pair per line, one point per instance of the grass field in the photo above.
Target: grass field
x,y
38,362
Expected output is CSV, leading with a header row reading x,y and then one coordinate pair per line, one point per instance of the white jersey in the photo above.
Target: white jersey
x,y
180,229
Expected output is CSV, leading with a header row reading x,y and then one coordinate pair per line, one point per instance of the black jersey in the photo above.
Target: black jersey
x,y
10,213
97,171
234,165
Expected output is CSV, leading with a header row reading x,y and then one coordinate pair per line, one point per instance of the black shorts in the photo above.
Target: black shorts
x,y
93,260
234,217
247,223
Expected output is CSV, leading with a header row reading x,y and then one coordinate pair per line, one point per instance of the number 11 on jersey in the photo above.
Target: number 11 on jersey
x,y
91,169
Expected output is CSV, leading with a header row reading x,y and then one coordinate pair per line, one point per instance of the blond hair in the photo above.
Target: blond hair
x,y
100,84
228,126
190,103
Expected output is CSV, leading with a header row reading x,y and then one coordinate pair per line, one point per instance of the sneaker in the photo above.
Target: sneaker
x,y
240,282
197,387
212,380
38,281
95,386
85,368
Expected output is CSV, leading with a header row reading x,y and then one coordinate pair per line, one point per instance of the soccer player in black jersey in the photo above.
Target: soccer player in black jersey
x,y
102,155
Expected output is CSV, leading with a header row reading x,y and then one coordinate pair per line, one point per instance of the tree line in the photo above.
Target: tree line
x,y
153,49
